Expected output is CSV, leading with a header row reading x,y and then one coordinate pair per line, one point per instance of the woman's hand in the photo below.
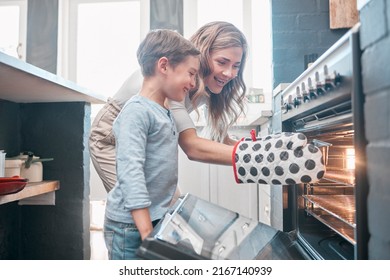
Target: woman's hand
x,y
204,150
229,141
280,159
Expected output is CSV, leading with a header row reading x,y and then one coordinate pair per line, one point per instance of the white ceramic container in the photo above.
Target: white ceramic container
x,y
12,167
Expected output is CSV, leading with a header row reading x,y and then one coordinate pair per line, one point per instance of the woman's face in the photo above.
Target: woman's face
x,y
225,64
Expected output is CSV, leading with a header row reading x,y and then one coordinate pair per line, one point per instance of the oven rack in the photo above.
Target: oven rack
x,y
343,176
329,189
324,182
335,211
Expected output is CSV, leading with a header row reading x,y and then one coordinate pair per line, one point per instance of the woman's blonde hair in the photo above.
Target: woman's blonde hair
x,y
224,108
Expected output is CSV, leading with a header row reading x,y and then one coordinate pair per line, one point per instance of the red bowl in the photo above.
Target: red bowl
x,y
9,185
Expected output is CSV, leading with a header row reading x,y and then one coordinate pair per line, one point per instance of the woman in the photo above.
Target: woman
x,y
223,50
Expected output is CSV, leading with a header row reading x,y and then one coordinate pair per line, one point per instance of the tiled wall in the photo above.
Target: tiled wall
x,y
375,43
299,28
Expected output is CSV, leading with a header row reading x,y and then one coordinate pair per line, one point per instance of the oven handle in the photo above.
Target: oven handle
x,y
320,144
324,147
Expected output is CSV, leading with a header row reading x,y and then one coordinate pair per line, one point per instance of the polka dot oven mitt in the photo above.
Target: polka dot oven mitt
x,y
279,159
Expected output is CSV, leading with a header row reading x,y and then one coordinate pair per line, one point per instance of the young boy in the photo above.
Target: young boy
x,y
147,143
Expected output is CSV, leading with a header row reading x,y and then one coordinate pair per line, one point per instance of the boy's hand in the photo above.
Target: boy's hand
x,y
142,220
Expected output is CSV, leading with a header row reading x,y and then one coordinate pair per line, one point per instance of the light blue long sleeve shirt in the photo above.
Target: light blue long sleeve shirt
x,y
146,161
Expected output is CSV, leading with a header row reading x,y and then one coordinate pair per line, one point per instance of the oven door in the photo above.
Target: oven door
x,y
196,229
325,212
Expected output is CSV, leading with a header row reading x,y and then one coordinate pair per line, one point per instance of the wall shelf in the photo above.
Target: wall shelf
x,y
32,189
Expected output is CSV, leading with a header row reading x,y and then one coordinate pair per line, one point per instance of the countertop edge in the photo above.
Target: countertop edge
x,y
22,71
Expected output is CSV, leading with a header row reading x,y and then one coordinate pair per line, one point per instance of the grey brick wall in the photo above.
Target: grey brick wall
x,y
300,28
58,130
375,43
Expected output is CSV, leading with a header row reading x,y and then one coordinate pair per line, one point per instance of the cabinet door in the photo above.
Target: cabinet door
x,y
224,191
13,28
193,177
215,183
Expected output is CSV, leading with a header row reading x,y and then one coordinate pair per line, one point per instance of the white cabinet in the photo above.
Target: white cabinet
x,y
193,177
215,183
224,191
265,204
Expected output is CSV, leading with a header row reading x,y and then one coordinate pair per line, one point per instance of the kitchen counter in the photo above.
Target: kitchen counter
x,y
22,82
49,115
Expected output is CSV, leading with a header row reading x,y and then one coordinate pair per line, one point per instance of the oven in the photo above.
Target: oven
x,y
325,220
326,104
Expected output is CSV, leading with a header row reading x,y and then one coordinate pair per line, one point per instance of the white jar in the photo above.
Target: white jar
x,y
2,163
12,167
34,173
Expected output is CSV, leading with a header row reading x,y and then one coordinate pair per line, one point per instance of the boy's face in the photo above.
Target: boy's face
x,y
182,78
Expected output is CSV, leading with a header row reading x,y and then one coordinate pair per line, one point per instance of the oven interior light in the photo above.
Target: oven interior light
x,y
350,158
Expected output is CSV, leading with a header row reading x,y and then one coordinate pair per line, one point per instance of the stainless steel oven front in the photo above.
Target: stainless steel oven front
x,y
326,104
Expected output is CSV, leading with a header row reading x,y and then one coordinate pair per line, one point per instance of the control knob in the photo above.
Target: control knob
x,y
287,106
298,98
312,90
305,94
337,78
329,85
319,85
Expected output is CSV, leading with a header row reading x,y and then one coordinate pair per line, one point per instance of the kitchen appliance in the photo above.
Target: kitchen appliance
x,y
326,104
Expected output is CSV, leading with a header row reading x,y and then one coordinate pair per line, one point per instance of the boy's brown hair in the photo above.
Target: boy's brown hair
x,y
163,43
